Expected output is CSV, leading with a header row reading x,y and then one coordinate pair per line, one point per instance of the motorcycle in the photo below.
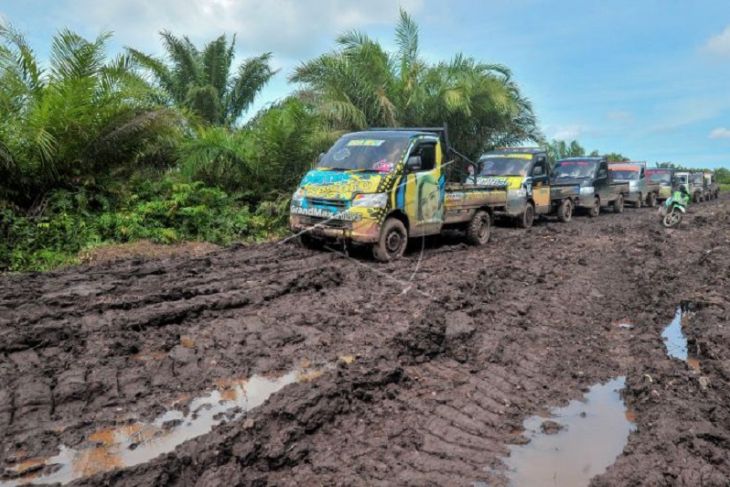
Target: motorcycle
x,y
673,210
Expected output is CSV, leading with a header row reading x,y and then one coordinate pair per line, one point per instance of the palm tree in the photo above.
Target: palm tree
x,y
360,84
201,80
82,118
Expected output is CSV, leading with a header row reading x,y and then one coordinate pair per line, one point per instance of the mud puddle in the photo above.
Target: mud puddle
x,y
138,442
676,342
578,442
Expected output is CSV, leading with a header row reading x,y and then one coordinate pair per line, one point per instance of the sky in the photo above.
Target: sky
x,y
647,78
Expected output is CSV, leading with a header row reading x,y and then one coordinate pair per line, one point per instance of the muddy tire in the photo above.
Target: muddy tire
x,y
618,204
595,209
565,211
651,200
479,229
528,217
392,241
639,203
696,198
672,219
309,242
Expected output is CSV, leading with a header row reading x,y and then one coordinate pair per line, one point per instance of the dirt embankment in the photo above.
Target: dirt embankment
x,y
454,348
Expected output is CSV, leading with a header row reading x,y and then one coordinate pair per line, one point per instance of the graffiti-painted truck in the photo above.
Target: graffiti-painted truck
x,y
525,172
383,186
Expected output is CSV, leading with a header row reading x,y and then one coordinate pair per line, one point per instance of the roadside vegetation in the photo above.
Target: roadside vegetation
x,y
98,149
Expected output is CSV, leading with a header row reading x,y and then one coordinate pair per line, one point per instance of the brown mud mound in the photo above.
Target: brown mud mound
x,y
455,347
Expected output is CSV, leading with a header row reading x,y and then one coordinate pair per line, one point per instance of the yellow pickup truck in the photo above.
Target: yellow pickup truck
x,y
381,187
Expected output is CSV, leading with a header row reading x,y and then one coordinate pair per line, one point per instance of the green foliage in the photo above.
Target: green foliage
x,y
560,149
361,84
82,120
616,157
165,211
723,175
202,80
265,159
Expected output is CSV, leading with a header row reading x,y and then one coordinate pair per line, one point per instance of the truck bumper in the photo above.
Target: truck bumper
x,y
513,208
362,231
585,202
633,197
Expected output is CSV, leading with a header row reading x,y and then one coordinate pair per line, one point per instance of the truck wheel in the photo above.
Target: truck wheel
x,y
618,204
479,229
528,216
595,209
392,241
651,200
639,202
696,198
565,211
309,242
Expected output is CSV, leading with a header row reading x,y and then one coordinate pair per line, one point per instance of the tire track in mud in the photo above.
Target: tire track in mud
x,y
522,324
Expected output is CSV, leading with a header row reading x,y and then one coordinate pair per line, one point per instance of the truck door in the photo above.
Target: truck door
x,y
601,184
425,189
541,185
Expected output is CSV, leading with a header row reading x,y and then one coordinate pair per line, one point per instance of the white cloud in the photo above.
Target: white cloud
x,y
620,116
720,44
720,133
565,132
289,28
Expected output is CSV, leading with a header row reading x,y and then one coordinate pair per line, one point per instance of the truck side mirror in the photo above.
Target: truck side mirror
x,y
537,171
414,163
320,157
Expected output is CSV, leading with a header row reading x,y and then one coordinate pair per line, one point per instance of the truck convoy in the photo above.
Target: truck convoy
x,y
587,182
641,190
380,187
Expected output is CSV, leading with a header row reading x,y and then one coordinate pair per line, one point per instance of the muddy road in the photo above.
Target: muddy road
x,y
340,371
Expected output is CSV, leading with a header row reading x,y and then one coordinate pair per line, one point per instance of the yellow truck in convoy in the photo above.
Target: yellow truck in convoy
x,y
381,187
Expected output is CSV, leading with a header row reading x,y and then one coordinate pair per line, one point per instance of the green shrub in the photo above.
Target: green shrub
x,y
164,211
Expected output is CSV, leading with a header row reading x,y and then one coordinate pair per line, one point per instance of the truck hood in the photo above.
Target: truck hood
x,y
340,185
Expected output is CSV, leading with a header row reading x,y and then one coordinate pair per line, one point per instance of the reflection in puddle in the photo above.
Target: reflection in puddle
x,y
676,342
132,444
595,431
674,338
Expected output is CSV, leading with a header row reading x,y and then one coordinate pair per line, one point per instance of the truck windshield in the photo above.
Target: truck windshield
x,y
696,178
664,177
503,166
376,152
574,169
681,178
625,175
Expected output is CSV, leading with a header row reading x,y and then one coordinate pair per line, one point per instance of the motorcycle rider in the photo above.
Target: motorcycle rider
x,y
682,196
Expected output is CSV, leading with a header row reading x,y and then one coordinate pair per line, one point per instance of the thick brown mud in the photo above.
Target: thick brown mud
x,y
435,361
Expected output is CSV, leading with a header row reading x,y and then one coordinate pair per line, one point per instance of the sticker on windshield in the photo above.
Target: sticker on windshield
x,y
383,166
365,142
341,154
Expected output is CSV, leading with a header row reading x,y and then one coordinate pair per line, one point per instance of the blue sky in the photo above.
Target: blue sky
x,y
647,78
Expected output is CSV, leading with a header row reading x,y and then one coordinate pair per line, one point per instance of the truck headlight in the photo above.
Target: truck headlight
x,y
586,190
370,200
516,193
298,197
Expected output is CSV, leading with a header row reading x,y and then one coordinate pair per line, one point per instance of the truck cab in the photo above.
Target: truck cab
x,y
591,182
662,177
525,173
712,189
696,186
383,186
641,189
